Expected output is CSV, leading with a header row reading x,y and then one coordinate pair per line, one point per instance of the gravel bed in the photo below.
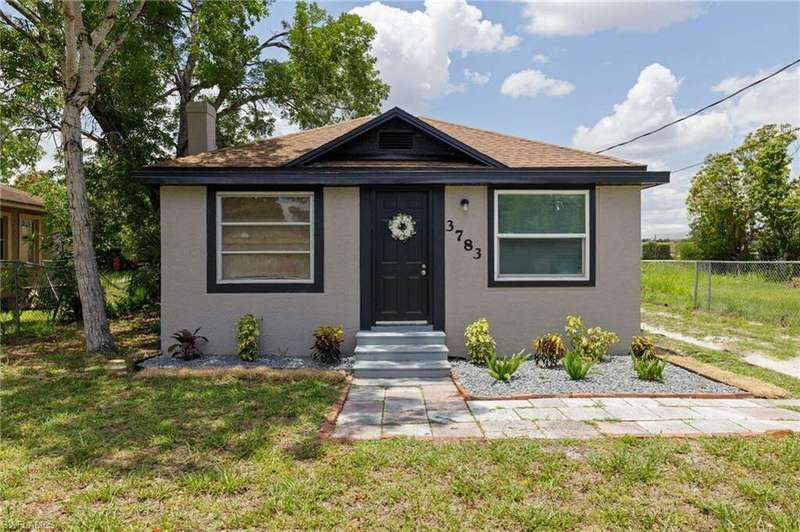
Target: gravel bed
x,y
616,374
233,361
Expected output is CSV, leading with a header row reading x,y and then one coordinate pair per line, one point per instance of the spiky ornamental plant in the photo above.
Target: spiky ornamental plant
x,y
649,369
502,369
575,365
185,346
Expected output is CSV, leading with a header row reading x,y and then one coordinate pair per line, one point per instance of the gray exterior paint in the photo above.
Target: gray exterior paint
x,y
288,318
516,314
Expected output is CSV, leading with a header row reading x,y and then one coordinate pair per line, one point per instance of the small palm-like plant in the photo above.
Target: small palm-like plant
x,y
649,369
185,346
503,368
575,365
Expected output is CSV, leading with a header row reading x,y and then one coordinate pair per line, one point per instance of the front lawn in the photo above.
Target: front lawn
x,y
84,450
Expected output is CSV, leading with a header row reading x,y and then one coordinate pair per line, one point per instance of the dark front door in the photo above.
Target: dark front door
x,y
401,275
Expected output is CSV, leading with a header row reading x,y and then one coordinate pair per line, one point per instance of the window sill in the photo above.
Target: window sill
x,y
513,283
264,288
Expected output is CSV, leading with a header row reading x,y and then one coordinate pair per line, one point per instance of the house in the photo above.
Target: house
x,y
403,230
21,225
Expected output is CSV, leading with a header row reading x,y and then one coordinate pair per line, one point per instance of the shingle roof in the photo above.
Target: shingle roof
x,y
514,152
15,195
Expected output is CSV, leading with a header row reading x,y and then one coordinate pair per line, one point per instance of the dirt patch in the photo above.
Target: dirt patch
x,y
755,386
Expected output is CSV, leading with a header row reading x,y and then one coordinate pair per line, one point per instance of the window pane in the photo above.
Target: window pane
x,y
541,256
541,213
294,266
266,238
266,209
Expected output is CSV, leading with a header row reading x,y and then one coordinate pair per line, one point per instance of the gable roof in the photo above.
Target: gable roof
x,y
14,197
491,148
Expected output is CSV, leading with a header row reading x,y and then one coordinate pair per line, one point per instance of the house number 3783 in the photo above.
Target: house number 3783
x,y
450,227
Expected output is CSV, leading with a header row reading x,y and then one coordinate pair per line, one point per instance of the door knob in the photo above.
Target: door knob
x,y
424,271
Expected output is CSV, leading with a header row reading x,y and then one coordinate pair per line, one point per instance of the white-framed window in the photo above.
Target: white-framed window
x,y
265,237
541,235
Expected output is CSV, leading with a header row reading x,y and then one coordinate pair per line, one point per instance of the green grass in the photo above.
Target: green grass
x,y
85,450
748,296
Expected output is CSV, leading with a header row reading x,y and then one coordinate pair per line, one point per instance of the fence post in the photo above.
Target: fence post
x,y
17,324
708,267
696,281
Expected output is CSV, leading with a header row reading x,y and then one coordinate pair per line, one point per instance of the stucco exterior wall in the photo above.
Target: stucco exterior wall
x,y
517,315
289,318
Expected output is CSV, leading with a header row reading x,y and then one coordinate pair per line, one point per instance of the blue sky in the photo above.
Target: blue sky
x,y
676,56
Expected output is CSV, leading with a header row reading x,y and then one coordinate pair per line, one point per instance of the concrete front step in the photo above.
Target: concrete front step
x,y
383,369
394,337
400,352
402,326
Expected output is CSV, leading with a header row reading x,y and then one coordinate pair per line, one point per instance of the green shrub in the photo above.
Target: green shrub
x,y
649,369
480,344
185,346
642,347
575,365
328,344
248,336
593,342
548,350
656,250
503,368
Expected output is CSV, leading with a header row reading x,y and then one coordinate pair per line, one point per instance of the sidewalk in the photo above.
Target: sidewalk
x,y
433,409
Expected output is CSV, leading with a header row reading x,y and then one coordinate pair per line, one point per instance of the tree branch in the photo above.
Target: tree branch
x,y
111,48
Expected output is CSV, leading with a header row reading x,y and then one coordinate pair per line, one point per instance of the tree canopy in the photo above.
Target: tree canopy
x,y
744,203
315,69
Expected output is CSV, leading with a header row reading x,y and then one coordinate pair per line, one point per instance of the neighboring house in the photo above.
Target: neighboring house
x,y
295,229
21,224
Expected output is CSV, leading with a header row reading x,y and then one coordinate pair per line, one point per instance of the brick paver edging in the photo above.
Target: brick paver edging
x,y
745,382
329,424
590,395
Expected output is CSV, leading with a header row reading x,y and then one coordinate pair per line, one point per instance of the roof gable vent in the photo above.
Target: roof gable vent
x,y
395,140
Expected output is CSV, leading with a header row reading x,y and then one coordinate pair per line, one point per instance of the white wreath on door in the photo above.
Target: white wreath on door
x,y
402,226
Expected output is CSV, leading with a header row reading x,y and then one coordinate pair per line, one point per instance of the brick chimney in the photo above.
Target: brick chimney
x,y
201,125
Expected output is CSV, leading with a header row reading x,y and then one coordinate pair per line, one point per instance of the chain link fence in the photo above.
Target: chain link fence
x,y
754,290
38,290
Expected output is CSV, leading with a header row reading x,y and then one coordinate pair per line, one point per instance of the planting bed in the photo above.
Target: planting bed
x,y
233,361
614,375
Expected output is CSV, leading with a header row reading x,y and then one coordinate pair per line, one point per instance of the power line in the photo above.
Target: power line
x,y
791,156
709,106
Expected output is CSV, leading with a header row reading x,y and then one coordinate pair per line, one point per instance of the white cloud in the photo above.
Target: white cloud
x,y
541,59
531,83
776,100
413,47
650,104
582,18
477,78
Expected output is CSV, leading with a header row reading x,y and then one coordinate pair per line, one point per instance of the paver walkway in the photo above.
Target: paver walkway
x,y
434,409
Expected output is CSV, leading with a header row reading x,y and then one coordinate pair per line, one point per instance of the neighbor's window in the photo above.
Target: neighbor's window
x,y
265,237
541,235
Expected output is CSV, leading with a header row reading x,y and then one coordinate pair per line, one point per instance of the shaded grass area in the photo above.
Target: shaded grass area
x,y
737,334
749,296
84,450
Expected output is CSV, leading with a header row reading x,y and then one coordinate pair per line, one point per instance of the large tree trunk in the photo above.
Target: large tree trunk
x,y
95,321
